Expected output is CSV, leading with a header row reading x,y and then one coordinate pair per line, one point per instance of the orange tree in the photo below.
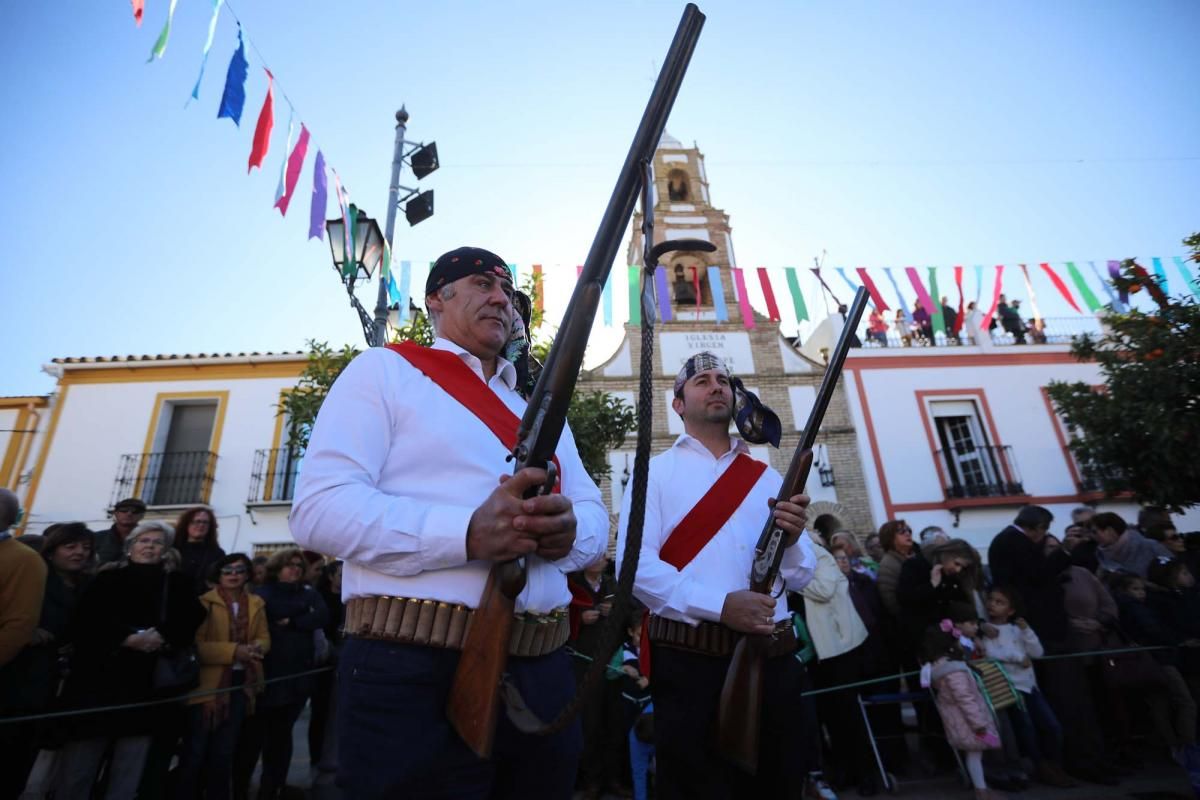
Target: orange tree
x,y
1140,431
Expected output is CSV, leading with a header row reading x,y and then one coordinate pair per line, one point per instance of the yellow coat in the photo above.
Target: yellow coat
x,y
213,646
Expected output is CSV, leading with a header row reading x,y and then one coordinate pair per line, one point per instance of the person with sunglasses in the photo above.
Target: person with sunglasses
x,y
110,543
230,644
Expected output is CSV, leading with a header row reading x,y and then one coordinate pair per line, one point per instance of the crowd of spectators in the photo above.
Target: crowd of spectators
x,y
107,624
111,619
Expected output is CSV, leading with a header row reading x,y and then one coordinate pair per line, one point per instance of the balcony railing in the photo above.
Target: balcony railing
x,y
1092,479
273,479
1055,330
166,479
979,472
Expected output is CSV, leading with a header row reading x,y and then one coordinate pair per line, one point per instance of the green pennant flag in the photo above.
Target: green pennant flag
x,y
1084,291
635,296
797,298
160,45
938,319
350,266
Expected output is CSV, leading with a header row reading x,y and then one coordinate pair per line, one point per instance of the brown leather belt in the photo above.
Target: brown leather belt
x,y
714,639
433,623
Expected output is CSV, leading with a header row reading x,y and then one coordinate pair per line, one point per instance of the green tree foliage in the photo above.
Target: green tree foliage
x,y
419,329
1140,431
304,401
599,422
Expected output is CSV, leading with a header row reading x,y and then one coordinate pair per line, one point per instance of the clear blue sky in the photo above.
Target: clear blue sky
x,y
888,134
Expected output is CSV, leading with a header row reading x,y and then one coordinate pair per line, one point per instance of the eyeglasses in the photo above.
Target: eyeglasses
x,y
233,570
151,542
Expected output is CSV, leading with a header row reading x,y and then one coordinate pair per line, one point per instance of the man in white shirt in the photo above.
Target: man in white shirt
x,y
693,574
405,479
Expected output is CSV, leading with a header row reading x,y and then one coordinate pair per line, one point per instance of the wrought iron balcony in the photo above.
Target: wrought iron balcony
x,y
1054,330
273,479
979,471
166,479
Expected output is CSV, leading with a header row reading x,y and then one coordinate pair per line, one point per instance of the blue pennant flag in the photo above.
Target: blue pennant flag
x,y
234,96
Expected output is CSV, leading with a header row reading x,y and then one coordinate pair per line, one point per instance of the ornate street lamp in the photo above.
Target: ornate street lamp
x,y
367,242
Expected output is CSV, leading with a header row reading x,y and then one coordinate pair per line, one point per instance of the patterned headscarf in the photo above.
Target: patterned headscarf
x,y
755,422
519,342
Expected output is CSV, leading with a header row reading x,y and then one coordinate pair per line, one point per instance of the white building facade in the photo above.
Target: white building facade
x,y
175,431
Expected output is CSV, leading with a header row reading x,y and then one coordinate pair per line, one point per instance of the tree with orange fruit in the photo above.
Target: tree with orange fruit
x,y
1140,431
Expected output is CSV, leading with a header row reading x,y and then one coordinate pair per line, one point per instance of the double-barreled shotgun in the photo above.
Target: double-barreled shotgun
x,y
740,709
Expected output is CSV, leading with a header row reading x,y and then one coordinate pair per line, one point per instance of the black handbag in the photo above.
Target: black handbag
x,y
177,669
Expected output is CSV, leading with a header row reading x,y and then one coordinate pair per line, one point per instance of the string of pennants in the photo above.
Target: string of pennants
x,y
925,290
231,106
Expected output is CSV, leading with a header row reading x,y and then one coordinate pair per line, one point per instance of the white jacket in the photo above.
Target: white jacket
x,y
832,620
1011,647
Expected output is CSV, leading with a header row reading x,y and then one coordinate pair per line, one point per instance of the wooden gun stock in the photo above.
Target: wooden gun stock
x,y
475,694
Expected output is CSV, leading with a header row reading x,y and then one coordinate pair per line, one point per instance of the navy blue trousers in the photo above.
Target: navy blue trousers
x,y
394,739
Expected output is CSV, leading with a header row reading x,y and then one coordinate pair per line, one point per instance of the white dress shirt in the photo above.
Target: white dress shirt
x,y
678,479
396,467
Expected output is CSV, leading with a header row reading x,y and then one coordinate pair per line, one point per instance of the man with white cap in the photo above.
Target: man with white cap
x,y
707,501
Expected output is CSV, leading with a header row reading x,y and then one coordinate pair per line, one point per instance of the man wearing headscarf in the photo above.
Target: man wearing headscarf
x,y
707,501
406,479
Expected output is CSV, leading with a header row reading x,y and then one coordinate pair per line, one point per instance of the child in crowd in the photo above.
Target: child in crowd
x,y
969,724
1015,645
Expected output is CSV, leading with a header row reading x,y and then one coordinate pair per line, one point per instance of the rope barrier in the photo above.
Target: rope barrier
x,y
570,651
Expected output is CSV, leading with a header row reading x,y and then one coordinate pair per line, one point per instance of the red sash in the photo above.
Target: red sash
x,y
700,525
712,512
459,381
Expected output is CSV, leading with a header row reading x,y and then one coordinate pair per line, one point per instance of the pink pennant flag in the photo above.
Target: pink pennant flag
x,y
139,8
739,280
958,321
1062,287
768,294
872,289
266,121
1037,313
579,272
987,318
922,294
294,164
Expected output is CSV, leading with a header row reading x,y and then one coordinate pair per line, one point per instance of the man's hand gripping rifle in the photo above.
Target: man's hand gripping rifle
x,y
742,695
474,696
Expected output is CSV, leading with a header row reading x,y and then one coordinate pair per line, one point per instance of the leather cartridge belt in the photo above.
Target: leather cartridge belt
x,y
715,639
436,624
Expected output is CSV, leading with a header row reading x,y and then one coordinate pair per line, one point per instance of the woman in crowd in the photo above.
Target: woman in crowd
x,y
230,645
198,549
128,617
295,611
896,538
31,680
931,581
1124,549
859,562
838,634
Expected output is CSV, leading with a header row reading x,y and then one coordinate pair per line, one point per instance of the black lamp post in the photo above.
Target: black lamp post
x,y
361,264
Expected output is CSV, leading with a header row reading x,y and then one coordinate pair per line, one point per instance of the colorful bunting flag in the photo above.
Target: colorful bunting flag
x,y
919,288
1081,286
160,45
579,272
1188,280
1062,287
208,43
1156,292
872,289
718,294
739,282
283,162
139,8
987,318
978,283
768,294
1114,272
295,163
539,302
1160,274
1037,313
635,296
1108,290
320,190
899,295
959,320
938,318
793,283
606,300
842,271
404,290
234,95
663,290
347,228
262,131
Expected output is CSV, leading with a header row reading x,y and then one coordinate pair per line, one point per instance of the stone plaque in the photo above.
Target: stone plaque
x,y
733,346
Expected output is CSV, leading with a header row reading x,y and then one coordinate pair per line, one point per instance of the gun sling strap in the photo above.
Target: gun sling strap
x,y
456,379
